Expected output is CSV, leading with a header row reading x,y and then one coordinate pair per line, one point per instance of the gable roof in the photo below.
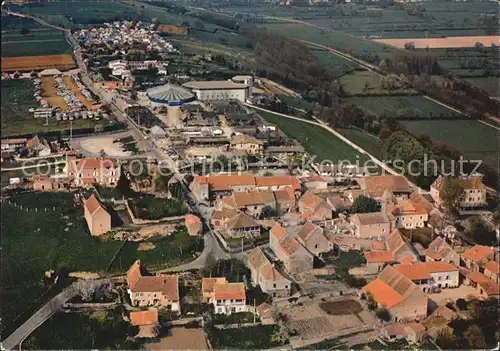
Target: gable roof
x,y
93,205
208,284
224,213
473,182
289,245
399,246
376,185
241,220
391,288
307,230
257,258
492,266
245,139
230,291
371,218
478,253
247,198
149,317
378,256
284,195
278,181
310,200
278,232
139,281
438,248
270,273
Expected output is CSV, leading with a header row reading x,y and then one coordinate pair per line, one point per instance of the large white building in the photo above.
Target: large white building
x,y
219,90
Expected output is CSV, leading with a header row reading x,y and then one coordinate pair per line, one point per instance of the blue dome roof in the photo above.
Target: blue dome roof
x,y
170,94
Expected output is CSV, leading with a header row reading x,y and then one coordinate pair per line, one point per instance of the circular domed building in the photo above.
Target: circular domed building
x,y
171,95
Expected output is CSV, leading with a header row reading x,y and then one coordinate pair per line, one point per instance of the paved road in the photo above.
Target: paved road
x,y
37,319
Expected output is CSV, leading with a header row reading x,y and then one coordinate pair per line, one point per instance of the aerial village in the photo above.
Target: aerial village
x,y
326,254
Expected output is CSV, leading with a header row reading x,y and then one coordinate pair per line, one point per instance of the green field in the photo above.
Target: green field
x,y
336,64
51,240
399,106
337,40
366,83
37,42
476,140
317,140
488,84
363,139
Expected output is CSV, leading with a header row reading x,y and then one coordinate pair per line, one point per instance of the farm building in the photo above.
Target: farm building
x,y
219,90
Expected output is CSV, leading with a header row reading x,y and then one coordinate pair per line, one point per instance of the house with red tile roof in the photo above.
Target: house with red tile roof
x,y
146,289
376,260
375,186
207,188
400,248
266,275
226,297
474,257
413,332
431,275
242,225
313,238
285,200
491,270
144,318
404,300
473,195
440,250
207,286
97,217
295,257
485,286
313,208
88,171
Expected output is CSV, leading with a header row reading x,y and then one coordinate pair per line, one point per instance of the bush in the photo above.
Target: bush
x,y
383,314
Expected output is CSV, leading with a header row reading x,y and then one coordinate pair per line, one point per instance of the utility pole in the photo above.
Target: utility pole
x,y
254,310
242,245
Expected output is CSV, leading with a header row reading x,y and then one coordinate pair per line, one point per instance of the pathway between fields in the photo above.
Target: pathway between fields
x,y
321,124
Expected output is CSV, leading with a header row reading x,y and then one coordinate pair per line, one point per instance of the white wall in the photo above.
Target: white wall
x,y
222,94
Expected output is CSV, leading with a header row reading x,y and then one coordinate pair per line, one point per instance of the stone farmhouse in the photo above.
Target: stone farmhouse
x,y
265,274
473,195
404,300
146,289
97,217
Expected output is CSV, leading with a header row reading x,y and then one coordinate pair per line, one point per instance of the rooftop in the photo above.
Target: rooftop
x,y
378,256
230,291
93,205
139,318
214,84
478,253
371,218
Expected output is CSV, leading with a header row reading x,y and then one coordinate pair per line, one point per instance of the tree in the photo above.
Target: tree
x,y
383,314
480,232
372,304
124,185
280,333
446,340
364,204
475,337
268,212
452,194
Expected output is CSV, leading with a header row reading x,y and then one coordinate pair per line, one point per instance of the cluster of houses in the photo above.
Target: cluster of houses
x,y
124,34
25,147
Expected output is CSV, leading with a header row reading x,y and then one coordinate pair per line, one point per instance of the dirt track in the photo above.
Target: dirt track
x,y
443,43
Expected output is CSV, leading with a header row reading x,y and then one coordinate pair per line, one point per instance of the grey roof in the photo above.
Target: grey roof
x,y
214,85
170,94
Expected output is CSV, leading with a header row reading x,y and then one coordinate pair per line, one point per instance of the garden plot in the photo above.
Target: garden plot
x,y
318,320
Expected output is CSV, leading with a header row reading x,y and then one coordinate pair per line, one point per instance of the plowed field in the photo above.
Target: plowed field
x,y
28,63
